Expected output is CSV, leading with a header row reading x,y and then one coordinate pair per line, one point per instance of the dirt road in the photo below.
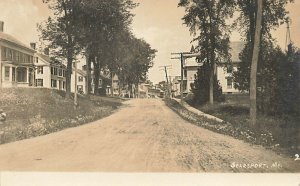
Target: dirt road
x,y
144,136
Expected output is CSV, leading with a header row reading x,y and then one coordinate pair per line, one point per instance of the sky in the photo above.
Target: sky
x,y
156,21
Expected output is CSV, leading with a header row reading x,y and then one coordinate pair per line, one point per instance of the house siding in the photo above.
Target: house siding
x,y
223,78
16,66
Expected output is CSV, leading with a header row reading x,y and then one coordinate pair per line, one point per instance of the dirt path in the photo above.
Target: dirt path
x,y
143,136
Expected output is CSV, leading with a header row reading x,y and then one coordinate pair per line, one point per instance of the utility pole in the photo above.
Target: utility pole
x,y
165,68
182,56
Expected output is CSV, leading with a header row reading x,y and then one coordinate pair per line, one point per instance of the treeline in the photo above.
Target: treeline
x,y
211,23
100,30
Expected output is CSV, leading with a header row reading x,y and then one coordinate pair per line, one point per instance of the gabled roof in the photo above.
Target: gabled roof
x,y
10,39
191,62
236,48
81,72
45,58
50,61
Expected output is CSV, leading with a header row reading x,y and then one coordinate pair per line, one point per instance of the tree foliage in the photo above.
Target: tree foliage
x,y
138,58
60,32
207,22
99,30
270,55
200,87
274,14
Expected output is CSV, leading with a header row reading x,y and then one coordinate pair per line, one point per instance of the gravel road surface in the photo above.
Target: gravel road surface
x,y
143,136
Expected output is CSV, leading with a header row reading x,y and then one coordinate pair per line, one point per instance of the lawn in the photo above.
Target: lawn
x,y
278,133
36,111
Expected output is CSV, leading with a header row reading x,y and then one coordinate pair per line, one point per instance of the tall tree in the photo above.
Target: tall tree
x,y
136,60
59,33
275,14
102,23
207,22
254,63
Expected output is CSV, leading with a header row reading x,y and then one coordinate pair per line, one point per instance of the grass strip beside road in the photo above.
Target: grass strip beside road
x,y
34,112
239,129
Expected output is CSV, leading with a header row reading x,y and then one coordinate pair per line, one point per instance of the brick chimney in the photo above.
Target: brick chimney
x,y
1,26
33,45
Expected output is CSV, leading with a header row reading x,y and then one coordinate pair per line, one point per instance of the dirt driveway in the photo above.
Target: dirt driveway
x,y
144,136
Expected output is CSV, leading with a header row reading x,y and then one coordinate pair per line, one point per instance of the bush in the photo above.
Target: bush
x,y
200,87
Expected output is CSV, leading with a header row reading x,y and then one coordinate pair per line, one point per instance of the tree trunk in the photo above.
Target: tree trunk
x,y
211,86
97,76
212,77
68,76
112,83
212,57
254,63
88,74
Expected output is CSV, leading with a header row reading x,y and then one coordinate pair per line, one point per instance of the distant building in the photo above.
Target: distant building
x,y
224,75
16,62
49,73
81,81
190,69
143,91
175,86
156,92
105,82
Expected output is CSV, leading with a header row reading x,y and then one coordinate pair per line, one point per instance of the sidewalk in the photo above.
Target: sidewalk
x,y
198,112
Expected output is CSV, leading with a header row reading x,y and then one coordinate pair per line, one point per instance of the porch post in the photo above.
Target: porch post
x,y
10,74
27,74
16,75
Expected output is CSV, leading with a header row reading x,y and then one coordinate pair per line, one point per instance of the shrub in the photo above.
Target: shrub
x,y
200,87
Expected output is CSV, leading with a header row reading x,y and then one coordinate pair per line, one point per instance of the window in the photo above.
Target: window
x,y
55,71
52,70
8,54
25,58
64,73
17,56
13,73
6,73
64,85
3,51
79,87
40,70
80,78
185,73
39,82
60,72
229,69
13,55
229,82
37,60
28,59
21,74
53,83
